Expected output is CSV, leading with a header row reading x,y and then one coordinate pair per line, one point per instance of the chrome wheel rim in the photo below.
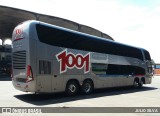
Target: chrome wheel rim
x,y
72,88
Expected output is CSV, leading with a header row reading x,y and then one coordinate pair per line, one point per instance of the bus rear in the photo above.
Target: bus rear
x,y
22,75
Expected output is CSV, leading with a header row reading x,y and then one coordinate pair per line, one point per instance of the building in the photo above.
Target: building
x,y
5,59
157,69
11,17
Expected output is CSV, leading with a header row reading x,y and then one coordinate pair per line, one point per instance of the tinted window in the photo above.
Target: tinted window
x,y
44,67
112,69
124,70
147,55
98,68
71,39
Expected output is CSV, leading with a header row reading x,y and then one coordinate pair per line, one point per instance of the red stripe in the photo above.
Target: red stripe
x,y
18,39
139,75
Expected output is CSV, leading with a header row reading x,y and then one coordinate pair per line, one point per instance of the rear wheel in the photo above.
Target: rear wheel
x,y
141,83
135,83
87,87
71,88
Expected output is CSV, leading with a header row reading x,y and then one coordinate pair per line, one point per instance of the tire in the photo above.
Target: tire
x,y
87,87
141,83
135,83
72,88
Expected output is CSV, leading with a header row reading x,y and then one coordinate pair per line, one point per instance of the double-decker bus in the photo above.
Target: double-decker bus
x,y
49,58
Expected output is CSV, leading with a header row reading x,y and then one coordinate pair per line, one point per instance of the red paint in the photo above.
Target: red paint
x,y
18,31
17,39
139,75
29,74
69,61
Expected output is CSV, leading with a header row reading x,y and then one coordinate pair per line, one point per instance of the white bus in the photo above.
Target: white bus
x,y
49,58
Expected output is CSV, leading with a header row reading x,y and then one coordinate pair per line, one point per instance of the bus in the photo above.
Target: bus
x,y
49,59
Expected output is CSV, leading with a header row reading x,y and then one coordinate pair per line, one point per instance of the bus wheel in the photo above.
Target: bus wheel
x,y
87,87
141,83
71,88
135,83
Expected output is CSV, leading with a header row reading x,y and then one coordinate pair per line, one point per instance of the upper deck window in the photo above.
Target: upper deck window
x,y
75,40
147,55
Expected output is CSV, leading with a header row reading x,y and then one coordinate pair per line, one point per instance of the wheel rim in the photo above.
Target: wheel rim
x,y
72,88
87,87
135,84
141,83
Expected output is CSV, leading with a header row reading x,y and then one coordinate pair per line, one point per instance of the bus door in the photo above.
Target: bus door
x,y
44,77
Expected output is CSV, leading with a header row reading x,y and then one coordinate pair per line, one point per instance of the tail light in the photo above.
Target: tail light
x,y
29,74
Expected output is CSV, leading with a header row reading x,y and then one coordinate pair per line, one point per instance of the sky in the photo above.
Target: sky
x,y
133,22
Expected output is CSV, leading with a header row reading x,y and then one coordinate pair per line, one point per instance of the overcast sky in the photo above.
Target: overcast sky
x,y
133,22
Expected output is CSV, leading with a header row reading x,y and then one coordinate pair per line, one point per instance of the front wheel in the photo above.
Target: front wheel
x,y
87,87
71,88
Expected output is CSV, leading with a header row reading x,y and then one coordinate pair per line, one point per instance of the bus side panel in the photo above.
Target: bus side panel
x,y
123,80
60,79
58,84
43,68
119,75
32,56
148,80
113,81
103,82
44,83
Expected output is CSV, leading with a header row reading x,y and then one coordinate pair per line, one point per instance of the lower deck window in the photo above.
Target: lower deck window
x,y
44,67
112,69
98,68
124,70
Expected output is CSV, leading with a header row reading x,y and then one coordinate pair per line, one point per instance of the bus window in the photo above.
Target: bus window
x,y
147,55
64,38
98,68
44,67
124,70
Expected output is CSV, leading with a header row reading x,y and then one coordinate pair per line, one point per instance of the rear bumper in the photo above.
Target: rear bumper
x,y
25,87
